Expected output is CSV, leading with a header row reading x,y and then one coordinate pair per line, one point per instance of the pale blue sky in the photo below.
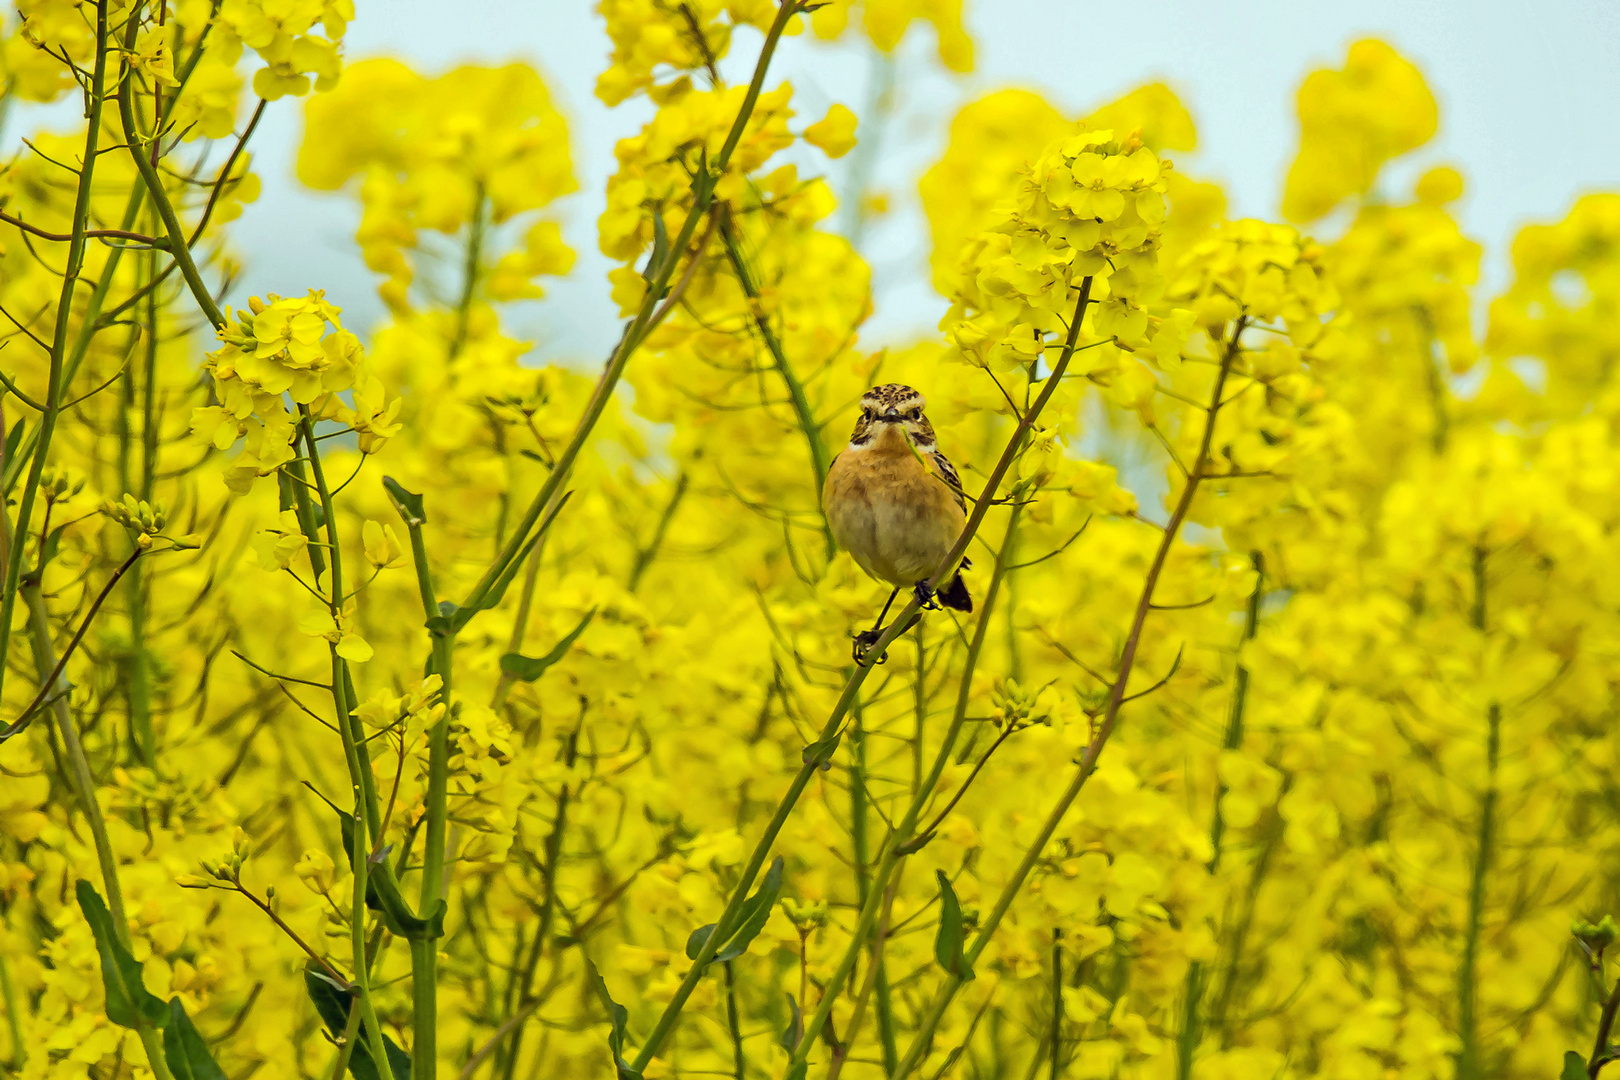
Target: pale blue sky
x,y
1529,94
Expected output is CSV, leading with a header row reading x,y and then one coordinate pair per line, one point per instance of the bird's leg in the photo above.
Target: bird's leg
x,y
867,638
925,596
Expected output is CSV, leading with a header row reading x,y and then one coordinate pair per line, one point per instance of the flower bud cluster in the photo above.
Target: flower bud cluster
x,y
139,517
58,482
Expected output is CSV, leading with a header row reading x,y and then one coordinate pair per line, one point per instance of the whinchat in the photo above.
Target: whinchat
x,y
894,502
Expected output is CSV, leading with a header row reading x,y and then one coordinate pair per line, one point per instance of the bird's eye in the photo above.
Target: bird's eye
x,y
915,414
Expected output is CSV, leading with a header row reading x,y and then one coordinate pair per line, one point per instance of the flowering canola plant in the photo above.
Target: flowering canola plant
x,y
378,700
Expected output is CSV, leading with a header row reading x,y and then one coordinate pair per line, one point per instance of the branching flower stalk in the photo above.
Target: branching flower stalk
x,y
367,823
1199,471
57,385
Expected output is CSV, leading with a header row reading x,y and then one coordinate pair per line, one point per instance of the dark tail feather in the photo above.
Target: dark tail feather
x,y
955,595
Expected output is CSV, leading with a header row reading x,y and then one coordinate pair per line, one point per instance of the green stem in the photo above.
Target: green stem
x,y
548,907
59,339
1191,1021
734,1024
520,618
83,783
884,1000
1600,1044
1057,1004
646,555
340,1064
879,104
1116,698
140,665
179,245
469,282
899,843
1468,1054
19,1052
819,459
652,311
353,740
840,710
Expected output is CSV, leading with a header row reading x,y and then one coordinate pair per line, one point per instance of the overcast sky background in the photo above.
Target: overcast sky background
x,y
1529,99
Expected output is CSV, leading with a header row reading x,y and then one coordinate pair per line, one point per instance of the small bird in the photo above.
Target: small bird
x,y
895,503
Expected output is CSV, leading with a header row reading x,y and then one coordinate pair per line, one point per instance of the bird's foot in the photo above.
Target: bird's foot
x,y
863,644
925,596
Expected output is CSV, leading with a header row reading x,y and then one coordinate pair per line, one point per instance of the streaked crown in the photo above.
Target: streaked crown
x,y
893,403
892,398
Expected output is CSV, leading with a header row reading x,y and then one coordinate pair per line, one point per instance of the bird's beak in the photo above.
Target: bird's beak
x,y
891,415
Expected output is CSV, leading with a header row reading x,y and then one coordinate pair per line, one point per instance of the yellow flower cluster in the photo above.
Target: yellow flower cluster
x,y
886,22
1352,121
654,37
472,147
285,349
1089,208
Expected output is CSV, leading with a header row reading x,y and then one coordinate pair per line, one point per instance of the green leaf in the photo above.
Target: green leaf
x,y
948,942
660,248
332,1004
528,668
18,457
14,459
619,1017
1574,1067
184,1049
751,919
755,912
129,1004
408,503
47,550
820,754
790,1034
383,895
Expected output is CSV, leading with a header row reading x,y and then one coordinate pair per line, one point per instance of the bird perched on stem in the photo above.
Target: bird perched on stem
x,y
895,503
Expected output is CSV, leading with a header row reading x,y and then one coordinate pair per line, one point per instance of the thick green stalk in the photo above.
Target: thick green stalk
x,y
1116,698
179,245
652,311
1468,1054
425,951
59,340
1191,1020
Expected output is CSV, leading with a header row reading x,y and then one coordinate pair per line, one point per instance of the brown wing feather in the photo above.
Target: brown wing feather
x,y
947,472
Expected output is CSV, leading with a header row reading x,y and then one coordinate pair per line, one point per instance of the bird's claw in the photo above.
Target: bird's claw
x,y
925,597
864,642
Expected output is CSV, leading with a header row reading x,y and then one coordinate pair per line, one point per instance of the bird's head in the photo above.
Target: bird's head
x,y
888,410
